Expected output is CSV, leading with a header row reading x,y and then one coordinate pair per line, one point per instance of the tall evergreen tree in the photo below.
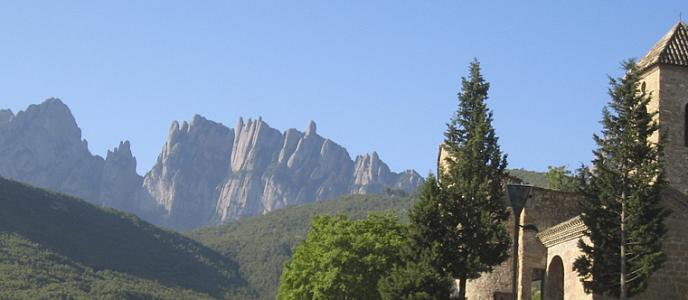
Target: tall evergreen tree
x,y
621,209
472,208
423,275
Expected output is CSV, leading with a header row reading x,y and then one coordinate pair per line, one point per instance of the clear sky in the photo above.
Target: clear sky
x,y
374,75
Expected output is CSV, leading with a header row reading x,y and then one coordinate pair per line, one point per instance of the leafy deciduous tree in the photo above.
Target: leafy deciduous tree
x,y
343,258
560,179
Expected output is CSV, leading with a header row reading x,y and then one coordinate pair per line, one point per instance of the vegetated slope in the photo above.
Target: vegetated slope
x,y
56,246
538,179
263,244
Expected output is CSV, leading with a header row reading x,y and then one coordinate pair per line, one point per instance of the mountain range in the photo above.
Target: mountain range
x,y
206,173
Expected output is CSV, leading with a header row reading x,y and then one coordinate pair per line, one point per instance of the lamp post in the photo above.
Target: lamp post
x,y
518,195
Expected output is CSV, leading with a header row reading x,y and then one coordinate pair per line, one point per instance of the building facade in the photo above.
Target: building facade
x,y
545,226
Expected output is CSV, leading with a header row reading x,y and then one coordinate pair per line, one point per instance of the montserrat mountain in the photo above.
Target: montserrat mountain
x,y
205,174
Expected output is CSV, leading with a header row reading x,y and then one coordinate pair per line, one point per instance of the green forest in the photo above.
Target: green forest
x,y
53,246
56,246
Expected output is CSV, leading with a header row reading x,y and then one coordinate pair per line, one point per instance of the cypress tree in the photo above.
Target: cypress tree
x,y
423,276
621,209
473,210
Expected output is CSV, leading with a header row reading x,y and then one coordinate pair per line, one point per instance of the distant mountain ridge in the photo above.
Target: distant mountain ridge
x,y
205,174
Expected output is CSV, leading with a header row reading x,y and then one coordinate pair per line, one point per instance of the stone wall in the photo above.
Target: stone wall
x,y
671,281
669,88
568,252
499,280
544,209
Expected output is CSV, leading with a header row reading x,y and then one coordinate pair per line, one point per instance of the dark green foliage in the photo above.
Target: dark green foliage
x,y
415,279
56,246
423,275
533,178
343,258
621,208
560,179
263,244
471,205
429,229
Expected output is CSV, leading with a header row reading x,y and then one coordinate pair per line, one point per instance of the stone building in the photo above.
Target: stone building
x,y
545,226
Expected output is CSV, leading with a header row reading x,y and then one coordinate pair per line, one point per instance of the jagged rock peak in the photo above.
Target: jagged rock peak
x,y
42,145
53,118
53,102
311,129
119,181
239,124
254,145
369,169
6,116
52,107
199,120
124,149
193,162
198,124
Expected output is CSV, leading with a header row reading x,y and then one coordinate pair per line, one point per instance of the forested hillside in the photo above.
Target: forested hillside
x,y
261,245
54,246
538,179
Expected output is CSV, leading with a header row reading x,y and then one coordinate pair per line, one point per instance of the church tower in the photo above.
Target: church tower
x,y
665,75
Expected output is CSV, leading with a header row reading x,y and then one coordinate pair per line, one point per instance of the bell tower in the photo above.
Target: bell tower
x,y
665,75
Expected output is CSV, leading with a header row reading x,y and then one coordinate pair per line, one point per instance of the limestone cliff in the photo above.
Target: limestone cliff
x,y
271,170
5,116
42,145
119,184
206,173
184,181
372,175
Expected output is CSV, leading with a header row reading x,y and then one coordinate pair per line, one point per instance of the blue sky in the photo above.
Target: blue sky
x,y
374,75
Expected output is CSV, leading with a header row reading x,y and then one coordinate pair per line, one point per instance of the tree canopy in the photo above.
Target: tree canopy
x,y
621,209
343,258
560,179
470,236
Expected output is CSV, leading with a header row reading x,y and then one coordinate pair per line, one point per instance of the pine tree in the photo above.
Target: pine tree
x,y
625,222
473,211
417,279
423,275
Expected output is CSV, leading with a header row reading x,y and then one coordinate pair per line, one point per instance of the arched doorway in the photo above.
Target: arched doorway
x,y
555,280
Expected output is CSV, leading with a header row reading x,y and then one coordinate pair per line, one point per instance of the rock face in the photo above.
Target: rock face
x,y
183,182
5,116
206,173
42,145
120,184
271,170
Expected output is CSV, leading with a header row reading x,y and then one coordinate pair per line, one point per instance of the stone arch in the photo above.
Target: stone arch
x,y
554,283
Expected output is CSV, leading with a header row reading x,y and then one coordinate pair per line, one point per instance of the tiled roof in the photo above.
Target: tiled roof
x,y
562,232
672,49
